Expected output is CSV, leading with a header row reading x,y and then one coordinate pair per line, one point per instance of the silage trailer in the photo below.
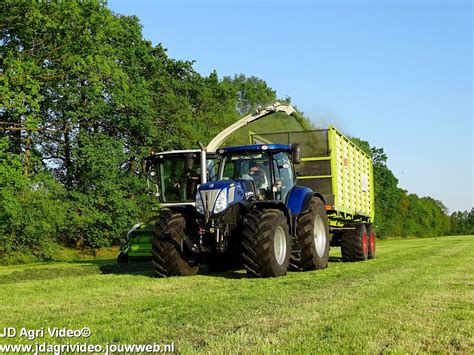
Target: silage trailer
x,y
342,173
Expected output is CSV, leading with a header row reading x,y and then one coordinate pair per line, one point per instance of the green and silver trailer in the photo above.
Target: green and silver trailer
x,y
342,174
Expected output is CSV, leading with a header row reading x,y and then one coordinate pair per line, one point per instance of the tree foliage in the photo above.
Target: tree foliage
x,y
32,209
83,98
462,222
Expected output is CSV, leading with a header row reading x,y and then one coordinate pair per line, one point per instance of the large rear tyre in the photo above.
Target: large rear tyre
x,y
312,232
371,241
354,244
169,253
266,243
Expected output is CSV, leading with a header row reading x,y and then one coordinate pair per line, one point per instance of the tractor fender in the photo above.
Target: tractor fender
x,y
299,199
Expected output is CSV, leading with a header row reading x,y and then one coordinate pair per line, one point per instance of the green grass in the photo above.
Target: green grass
x,y
416,296
60,254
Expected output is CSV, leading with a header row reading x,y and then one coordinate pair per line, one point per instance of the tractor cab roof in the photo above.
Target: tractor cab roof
x,y
256,148
178,153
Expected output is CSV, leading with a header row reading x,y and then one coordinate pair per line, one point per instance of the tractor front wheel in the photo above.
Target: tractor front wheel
x,y
266,243
169,254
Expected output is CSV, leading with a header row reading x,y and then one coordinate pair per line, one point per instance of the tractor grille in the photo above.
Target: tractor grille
x,y
209,198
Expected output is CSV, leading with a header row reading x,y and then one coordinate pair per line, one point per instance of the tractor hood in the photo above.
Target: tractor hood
x,y
215,196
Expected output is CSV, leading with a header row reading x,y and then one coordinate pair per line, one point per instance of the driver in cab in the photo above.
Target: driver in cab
x,y
257,174
260,178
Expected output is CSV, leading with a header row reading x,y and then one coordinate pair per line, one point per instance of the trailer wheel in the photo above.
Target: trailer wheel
x,y
266,243
312,232
168,256
371,241
354,244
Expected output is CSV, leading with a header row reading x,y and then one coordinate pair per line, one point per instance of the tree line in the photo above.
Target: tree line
x,y
84,97
403,214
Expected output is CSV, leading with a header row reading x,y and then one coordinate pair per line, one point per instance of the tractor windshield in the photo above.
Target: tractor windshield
x,y
176,177
271,173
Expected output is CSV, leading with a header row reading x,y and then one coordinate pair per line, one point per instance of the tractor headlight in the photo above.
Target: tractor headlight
x,y
199,203
221,201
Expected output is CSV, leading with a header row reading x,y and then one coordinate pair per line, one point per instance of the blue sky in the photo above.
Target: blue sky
x,y
396,73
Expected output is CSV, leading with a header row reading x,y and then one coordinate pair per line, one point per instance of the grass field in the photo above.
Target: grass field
x,y
416,296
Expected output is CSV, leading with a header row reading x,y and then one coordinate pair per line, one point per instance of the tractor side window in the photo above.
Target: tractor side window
x,y
180,177
229,170
190,178
171,173
283,175
212,169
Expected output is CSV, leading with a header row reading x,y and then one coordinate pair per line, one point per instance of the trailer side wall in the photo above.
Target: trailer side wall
x,y
335,167
351,176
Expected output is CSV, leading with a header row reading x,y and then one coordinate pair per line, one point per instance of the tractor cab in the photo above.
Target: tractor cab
x,y
249,173
267,167
174,176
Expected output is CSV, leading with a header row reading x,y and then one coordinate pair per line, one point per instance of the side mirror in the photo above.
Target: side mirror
x,y
296,153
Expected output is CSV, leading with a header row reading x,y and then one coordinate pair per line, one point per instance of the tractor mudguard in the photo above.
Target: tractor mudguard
x,y
298,199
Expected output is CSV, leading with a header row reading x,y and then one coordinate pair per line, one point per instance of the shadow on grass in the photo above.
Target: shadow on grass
x,y
141,268
228,274
82,268
92,267
108,267
92,261
145,268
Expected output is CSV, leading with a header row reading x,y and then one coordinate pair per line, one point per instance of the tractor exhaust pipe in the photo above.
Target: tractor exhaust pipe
x,y
203,163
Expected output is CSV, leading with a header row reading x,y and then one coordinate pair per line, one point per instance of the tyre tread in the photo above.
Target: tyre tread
x,y
257,246
308,259
167,260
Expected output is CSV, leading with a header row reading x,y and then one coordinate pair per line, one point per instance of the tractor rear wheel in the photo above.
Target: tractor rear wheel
x,y
168,249
312,232
354,244
371,241
266,243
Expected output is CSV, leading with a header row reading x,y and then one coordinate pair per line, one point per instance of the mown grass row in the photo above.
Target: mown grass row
x,y
416,296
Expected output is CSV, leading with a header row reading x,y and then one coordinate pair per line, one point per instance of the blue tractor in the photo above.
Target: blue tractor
x,y
253,215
